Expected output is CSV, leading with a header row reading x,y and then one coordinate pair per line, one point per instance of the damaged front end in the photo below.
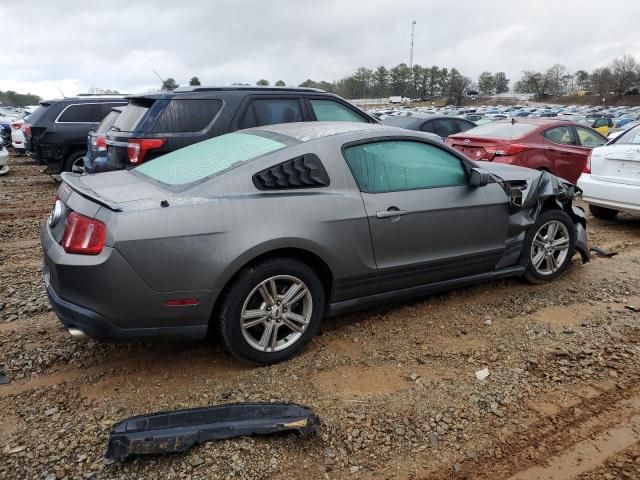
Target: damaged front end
x,y
179,430
531,193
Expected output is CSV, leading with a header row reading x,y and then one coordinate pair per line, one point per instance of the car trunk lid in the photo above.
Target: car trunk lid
x,y
616,163
476,148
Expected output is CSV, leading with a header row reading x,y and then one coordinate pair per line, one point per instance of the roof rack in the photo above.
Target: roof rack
x,y
117,95
246,87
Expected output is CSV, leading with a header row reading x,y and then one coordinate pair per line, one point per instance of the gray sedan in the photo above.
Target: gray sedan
x,y
257,235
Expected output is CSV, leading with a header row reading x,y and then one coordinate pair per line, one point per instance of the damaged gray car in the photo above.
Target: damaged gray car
x,y
257,235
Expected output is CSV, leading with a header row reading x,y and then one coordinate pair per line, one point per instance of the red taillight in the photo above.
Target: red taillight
x,y
27,129
138,148
507,150
100,142
83,235
587,165
16,125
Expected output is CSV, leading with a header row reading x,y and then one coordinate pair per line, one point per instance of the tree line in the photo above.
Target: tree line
x,y
14,99
615,79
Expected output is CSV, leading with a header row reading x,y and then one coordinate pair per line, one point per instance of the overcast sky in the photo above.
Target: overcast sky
x,y
75,44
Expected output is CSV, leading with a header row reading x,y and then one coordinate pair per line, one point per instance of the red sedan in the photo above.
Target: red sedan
x,y
557,146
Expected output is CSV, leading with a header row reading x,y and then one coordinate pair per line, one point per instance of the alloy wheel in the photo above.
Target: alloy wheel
x,y
276,313
78,165
550,247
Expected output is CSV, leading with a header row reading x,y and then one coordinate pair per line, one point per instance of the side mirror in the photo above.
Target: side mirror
x,y
478,177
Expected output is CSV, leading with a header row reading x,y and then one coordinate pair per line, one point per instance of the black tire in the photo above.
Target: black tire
x,y
73,158
532,274
602,212
234,297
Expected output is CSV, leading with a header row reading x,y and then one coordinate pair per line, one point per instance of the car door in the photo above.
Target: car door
x,y
565,158
619,162
427,224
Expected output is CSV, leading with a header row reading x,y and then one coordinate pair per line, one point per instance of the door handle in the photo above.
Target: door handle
x,y
390,213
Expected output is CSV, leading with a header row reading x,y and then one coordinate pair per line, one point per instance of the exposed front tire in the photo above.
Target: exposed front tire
x,y
271,310
549,246
75,162
602,212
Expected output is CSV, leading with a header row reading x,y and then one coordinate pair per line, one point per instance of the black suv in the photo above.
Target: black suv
x,y
157,123
56,134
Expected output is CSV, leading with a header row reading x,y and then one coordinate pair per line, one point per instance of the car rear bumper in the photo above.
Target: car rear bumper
x,y
617,196
103,297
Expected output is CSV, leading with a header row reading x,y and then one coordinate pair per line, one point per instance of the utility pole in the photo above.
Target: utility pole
x,y
413,26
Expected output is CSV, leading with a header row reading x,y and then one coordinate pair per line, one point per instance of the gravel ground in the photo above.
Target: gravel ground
x,y
395,387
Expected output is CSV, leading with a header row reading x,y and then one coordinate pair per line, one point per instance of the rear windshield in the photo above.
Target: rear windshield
x,y
33,118
182,115
629,137
503,130
205,159
108,121
130,117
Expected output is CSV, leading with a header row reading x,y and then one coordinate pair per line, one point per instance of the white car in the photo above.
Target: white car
x,y
4,159
611,178
17,135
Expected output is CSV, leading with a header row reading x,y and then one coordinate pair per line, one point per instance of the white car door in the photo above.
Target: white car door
x,y
618,162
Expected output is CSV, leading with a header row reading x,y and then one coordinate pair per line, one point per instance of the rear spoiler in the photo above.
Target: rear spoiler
x,y
73,180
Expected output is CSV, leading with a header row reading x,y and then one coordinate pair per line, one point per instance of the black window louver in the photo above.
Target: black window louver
x,y
306,171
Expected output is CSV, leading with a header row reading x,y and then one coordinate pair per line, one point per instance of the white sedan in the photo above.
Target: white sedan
x,y
611,178
4,159
17,135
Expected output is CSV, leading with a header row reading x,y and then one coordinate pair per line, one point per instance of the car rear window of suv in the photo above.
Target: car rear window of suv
x,y
502,130
131,116
205,159
186,115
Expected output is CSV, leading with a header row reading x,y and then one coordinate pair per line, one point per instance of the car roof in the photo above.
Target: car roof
x,y
306,131
232,88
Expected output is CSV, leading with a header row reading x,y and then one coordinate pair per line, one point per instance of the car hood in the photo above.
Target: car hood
x,y
509,173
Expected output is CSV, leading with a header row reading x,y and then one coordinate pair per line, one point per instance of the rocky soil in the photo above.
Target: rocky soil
x,y
395,387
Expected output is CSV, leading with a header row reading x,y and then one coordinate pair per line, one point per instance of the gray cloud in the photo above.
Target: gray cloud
x,y
74,45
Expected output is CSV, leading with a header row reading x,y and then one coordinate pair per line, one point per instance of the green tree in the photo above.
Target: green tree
x,y
169,84
457,85
380,82
195,81
500,82
280,83
262,83
581,79
400,79
486,83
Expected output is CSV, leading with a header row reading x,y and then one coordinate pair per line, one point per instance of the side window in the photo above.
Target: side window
x,y
181,116
600,122
561,135
588,138
403,165
464,126
445,127
328,110
86,112
272,110
427,127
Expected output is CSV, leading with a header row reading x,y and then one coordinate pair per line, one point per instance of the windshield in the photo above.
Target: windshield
x,y
205,159
631,136
502,130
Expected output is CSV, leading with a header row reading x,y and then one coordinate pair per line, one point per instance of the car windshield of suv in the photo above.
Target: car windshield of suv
x,y
205,159
631,137
505,130
130,117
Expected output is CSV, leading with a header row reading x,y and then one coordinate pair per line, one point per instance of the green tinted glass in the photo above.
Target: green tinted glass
x,y
204,159
328,110
403,165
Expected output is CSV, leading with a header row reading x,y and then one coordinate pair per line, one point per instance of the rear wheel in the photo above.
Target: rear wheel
x,y
271,310
549,246
602,212
75,162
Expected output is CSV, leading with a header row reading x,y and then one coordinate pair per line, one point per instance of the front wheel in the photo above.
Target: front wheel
x,y
271,310
549,246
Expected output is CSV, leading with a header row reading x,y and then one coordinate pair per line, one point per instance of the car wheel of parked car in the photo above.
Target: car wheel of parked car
x,y
550,245
75,162
271,310
602,212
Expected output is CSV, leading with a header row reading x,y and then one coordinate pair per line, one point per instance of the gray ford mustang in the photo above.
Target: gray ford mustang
x,y
258,234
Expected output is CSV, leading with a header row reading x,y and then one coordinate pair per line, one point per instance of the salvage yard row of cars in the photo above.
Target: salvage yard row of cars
x,y
252,213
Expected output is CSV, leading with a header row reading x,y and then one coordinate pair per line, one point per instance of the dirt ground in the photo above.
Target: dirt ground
x,y
395,387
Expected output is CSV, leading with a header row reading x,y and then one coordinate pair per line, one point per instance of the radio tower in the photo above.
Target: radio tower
x,y
413,26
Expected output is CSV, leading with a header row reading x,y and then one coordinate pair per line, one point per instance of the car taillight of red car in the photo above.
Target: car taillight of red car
x,y
83,235
139,147
508,150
